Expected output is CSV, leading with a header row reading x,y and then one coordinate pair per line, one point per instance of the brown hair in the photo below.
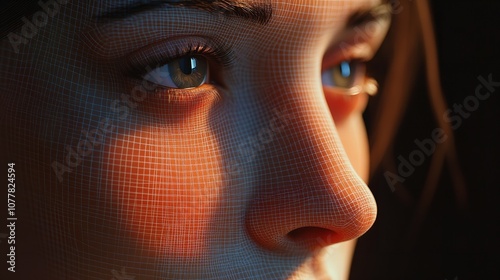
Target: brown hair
x,y
411,40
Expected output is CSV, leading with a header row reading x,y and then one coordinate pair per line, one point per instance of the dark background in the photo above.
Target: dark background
x,y
453,243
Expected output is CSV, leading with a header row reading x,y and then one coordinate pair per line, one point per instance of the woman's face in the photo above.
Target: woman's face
x,y
193,139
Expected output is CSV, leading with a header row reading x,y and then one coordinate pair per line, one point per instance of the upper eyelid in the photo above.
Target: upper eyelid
x,y
349,47
334,56
379,15
383,11
364,33
107,41
165,52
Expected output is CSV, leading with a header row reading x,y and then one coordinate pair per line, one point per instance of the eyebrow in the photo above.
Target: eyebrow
x,y
260,13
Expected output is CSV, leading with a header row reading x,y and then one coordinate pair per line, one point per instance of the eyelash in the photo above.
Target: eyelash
x,y
143,63
218,56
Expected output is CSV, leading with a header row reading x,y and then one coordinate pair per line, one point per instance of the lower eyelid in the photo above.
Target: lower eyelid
x,y
342,106
181,94
352,91
167,104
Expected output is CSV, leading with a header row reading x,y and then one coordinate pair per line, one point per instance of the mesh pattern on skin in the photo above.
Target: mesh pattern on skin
x,y
244,181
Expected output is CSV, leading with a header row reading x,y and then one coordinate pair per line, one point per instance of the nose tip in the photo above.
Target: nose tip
x,y
309,195
293,223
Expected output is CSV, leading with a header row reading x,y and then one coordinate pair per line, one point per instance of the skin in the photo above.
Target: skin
x,y
259,175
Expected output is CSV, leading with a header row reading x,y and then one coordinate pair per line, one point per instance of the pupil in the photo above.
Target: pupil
x,y
187,65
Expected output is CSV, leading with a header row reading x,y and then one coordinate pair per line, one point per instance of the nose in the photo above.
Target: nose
x,y
308,195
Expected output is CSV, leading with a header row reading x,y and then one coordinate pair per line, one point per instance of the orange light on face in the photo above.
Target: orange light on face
x,y
166,187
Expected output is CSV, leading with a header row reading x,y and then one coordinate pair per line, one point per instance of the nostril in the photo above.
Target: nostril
x,y
313,237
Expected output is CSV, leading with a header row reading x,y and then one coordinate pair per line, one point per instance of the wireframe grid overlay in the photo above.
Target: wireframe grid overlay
x,y
244,177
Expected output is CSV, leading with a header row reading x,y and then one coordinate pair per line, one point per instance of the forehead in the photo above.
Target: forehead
x,y
294,22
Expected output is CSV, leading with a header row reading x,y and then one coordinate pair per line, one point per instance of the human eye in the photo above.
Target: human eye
x,y
189,71
348,77
188,67
344,75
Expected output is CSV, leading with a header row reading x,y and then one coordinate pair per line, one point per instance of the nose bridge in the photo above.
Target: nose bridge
x,y
307,190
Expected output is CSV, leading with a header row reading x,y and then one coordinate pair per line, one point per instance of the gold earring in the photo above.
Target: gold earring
x,y
371,86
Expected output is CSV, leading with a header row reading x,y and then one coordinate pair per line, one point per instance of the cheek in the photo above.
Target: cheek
x,y
343,106
165,187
